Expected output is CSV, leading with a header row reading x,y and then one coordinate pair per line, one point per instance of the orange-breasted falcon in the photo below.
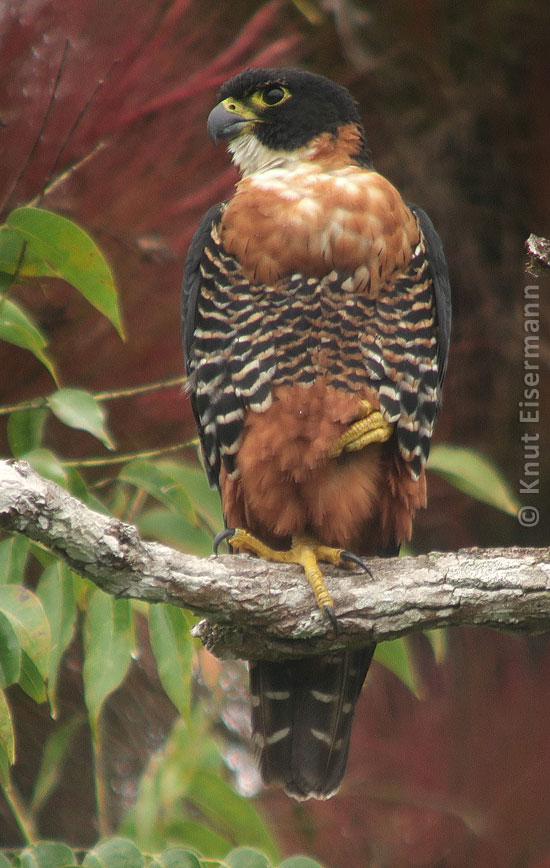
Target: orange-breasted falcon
x,y
316,319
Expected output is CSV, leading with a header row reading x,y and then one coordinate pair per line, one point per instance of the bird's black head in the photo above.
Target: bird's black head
x,y
283,110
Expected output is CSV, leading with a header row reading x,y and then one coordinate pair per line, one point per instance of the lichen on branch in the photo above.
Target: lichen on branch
x,y
256,609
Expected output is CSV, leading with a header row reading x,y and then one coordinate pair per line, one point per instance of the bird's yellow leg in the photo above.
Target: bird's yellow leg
x,y
371,428
305,551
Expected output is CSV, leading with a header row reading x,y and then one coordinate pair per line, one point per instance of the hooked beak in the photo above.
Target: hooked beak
x,y
225,124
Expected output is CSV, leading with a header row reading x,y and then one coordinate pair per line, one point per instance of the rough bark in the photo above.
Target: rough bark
x,y
260,609
538,249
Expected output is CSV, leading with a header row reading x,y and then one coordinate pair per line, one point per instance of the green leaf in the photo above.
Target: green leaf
x,y
394,656
246,857
79,409
31,679
47,854
475,475
193,481
71,254
109,642
173,649
10,653
16,327
4,762
28,618
7,740
161,485
114,853
172,529
142,823
78,487
51,765
18,256
439,641
208,843
4,861
47,464
25,429
56,592
163,792
300,862
13,557
228,812
175,857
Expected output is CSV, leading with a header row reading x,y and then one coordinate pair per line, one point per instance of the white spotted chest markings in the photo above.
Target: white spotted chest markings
x,y
304,187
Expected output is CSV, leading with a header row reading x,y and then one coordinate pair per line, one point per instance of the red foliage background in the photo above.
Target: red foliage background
x,y
455,103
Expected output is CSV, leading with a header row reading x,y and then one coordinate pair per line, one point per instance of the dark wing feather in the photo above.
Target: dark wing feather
x,y
442,288
189,293
191,277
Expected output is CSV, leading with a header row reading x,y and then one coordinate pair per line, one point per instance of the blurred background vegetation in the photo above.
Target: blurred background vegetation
x,y
102,109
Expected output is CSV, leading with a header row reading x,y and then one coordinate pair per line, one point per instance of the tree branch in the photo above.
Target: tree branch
x,y
260,609
538,249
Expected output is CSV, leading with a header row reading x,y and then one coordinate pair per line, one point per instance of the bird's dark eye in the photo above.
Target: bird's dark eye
x,y
273,95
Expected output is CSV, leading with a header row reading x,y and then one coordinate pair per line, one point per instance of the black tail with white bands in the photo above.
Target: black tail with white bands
x,y
302,712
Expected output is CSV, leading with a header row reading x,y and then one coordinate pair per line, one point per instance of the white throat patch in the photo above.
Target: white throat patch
x,y
249,155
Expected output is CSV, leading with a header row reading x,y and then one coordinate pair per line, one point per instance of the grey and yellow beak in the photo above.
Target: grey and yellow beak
x,y
228,119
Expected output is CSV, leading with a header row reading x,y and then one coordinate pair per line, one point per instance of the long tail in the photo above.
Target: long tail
x,y
302,712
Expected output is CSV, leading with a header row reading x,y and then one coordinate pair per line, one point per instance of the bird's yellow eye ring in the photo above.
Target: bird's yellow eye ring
x,y
273,95
270,95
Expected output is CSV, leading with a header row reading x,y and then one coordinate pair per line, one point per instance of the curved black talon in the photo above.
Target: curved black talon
x,y
227,533
349,556
329,612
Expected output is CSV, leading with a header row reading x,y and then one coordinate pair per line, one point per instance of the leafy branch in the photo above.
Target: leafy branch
x,y
109,395
117,851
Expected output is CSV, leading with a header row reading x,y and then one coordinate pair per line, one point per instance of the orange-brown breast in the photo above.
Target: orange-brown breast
x,y
312,219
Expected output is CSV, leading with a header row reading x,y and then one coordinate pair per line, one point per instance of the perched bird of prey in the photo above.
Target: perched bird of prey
x,y
316,318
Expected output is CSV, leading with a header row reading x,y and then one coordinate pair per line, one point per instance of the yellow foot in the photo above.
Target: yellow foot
x,y
304,551
371,428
